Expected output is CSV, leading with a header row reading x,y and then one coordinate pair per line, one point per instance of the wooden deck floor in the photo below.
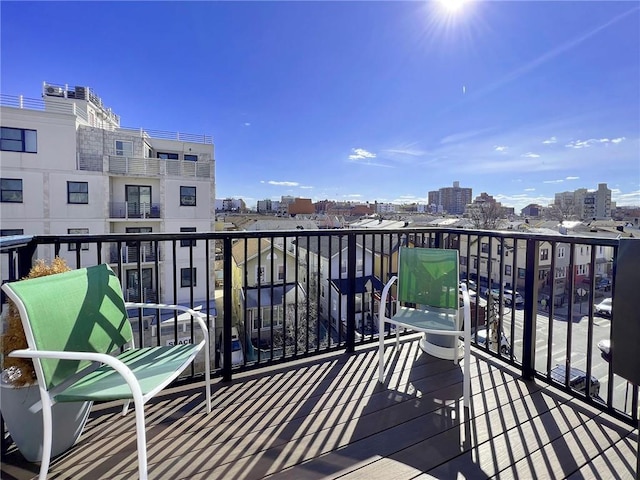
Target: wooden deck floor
x,y
328,417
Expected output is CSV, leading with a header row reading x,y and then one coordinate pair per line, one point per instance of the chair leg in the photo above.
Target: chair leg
x,y
207,376
466,388
125,407
47,435
141,436
381,353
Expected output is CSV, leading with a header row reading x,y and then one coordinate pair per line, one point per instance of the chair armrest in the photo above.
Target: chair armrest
x,y
466,307
198,315
104,358
384,295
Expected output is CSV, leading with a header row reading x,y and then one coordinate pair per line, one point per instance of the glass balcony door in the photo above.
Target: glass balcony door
x,y
138,199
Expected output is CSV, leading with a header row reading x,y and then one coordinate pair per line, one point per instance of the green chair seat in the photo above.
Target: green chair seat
x,y
153,367
430,318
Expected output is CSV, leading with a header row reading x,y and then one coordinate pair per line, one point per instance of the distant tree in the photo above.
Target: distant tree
x,y
297,336
487,215
560,212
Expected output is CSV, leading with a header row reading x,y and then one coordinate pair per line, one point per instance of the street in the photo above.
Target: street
x,y
559,329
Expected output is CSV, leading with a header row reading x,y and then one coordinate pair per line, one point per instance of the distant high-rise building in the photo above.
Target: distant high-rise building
x,y
451,200
586,204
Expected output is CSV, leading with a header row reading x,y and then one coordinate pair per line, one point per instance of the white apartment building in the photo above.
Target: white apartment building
x,y
587,204
67,166
383,208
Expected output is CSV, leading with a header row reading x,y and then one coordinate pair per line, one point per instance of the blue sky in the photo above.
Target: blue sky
x,y
360,100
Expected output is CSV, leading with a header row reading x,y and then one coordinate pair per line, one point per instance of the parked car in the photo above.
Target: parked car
x,y
508,297
604,346
577,379
603,308
237,357
481,340
603,284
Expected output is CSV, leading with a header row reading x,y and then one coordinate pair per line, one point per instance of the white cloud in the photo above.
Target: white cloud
x,y
283,184
306,187
553,181
593,141
631,198
550,141
500,148
247,124
529,189
530,155
361,154
572,178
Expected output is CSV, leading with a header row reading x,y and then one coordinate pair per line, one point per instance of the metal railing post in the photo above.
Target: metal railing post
x,y
530,311
351,298
226,309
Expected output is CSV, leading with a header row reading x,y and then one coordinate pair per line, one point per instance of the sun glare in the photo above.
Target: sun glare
x,y
452,6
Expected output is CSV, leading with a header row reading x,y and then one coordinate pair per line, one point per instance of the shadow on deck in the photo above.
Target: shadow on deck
x,y
328,417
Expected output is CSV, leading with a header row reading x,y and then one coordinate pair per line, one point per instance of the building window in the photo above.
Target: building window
x,y
138,198
259,274
190,158
133,283
187,277
484,248
187,243
188,196
11,190
280,272
9,232
77,192
167,156
544,254
18,140
78,231
124,148
521,272
560,252
507,270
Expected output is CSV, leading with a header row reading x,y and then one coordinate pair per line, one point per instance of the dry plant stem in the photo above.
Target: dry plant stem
x,y
14,337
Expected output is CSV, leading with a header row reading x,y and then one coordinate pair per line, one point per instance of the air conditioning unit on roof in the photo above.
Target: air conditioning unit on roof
x,y
54,91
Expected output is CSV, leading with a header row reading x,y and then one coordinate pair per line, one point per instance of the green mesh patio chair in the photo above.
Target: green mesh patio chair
x,y
76,326
428,300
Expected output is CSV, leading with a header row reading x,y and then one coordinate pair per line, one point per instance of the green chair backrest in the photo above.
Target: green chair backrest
x,y
80,310
428,276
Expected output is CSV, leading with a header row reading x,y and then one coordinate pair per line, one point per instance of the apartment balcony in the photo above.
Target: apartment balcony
x,y
134,210
317,410
153,167
145,253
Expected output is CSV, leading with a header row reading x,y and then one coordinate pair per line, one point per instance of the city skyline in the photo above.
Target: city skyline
x,y
361,101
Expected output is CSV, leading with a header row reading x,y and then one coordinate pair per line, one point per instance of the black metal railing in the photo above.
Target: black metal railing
x,y
291,294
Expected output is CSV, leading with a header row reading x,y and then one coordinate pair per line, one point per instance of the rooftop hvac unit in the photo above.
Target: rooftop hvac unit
x,y
81,93
54,91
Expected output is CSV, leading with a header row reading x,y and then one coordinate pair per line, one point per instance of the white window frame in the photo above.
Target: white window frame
x,y
122,151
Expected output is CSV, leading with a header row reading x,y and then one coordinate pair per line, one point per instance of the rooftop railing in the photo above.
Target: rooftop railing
x,y
292,294
21,102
